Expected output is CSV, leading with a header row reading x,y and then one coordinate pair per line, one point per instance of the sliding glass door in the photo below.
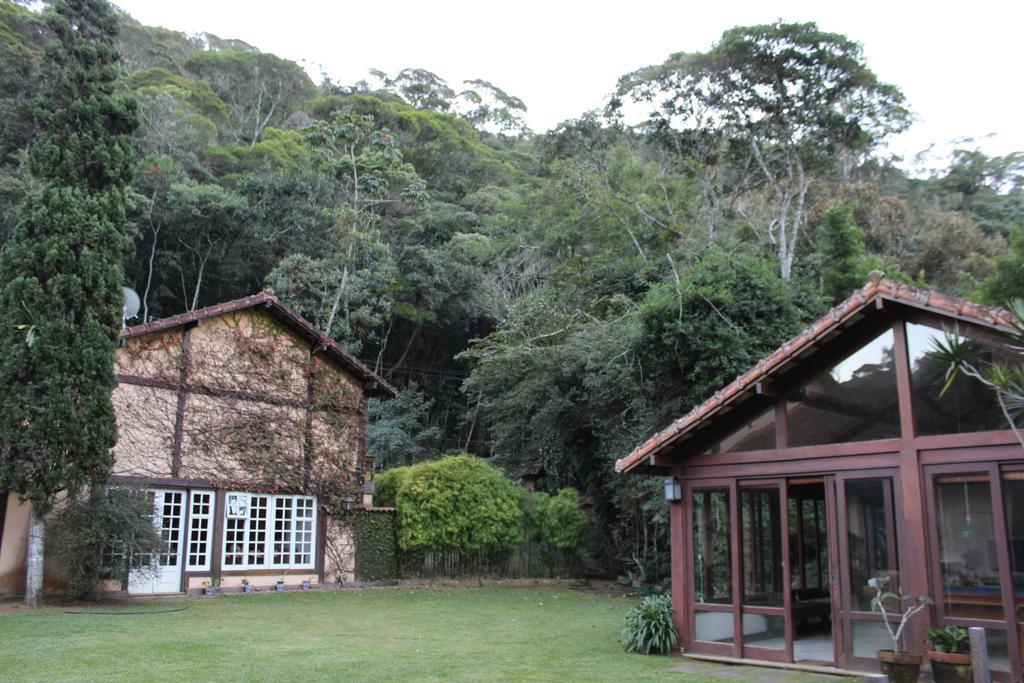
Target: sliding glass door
x,y
868,552
740,593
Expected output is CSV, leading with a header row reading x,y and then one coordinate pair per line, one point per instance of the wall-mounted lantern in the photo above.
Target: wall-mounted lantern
x,y
673,490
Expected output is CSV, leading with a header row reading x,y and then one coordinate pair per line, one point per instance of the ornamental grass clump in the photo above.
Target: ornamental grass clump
x,y
649,628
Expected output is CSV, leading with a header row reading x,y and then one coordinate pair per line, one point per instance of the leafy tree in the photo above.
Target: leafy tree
x,y
206,221
340,291
259,89
171,126
726,311
421,88
19,82
841,246
795,97
490,108
62,274
398,432
459,504
105,535
1007,279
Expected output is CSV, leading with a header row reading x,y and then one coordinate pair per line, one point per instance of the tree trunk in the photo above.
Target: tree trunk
x,y
34,559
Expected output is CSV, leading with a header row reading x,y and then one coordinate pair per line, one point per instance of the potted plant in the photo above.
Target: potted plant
x,y
246,586
208,588
950,654
307,584
279,587
898,664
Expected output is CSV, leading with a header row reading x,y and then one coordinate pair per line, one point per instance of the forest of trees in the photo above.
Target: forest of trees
x,y
545,300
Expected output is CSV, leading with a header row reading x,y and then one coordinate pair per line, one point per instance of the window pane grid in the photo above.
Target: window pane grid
x,y
200,524
170,527
250,542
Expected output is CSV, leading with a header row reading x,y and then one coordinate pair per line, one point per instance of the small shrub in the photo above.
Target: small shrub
x,y
104,535
649,628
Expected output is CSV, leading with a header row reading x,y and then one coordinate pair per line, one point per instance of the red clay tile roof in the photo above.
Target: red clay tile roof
x,y
879,287
289,317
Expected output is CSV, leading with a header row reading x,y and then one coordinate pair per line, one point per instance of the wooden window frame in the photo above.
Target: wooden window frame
x,y
269,542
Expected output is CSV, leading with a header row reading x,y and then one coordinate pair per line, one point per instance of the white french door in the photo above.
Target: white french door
x,y
169,518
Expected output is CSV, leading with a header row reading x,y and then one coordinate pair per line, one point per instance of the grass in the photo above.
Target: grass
x,y
468,634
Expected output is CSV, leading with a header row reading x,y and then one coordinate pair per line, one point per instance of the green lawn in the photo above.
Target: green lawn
x,y
488,634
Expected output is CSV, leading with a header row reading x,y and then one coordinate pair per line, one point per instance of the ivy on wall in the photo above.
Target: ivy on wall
x,y
376,546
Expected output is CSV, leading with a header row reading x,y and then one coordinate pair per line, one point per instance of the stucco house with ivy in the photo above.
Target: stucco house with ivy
x,y
248,426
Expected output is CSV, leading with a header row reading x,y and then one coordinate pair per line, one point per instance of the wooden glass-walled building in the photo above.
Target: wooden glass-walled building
x,y
838,459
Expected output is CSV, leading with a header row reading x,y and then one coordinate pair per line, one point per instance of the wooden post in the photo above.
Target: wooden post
x,y
979,655
677,531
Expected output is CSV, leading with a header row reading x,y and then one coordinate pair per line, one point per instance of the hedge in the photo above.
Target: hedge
x,y
376,546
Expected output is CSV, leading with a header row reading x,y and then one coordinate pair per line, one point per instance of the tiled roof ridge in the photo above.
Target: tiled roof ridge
x,y
269,299
877,285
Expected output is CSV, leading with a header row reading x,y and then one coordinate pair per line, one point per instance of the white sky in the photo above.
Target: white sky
x,y
959,64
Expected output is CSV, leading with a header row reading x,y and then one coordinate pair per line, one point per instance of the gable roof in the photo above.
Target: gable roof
x,y
373,383
877,289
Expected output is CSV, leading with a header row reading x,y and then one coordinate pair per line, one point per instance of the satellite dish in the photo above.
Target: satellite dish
x,y
131,303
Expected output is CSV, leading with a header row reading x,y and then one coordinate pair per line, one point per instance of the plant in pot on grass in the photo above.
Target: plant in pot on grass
x,y
209,588
898,664
279,586
950,654
246,586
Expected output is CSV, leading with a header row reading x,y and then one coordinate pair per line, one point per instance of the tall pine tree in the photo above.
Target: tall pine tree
x,y
62,273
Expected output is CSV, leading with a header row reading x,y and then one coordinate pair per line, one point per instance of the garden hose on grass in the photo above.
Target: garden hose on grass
x,y
151,611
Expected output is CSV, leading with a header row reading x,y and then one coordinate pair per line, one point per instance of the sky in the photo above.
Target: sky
x,y
959,64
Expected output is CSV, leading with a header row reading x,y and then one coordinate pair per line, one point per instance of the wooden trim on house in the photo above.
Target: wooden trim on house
x,y
179,414
162,482
185,543
218,536
307,425
291,571
219,392
321,543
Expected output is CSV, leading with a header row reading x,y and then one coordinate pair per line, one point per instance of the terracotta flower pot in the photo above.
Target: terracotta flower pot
x,y
900,667
951,667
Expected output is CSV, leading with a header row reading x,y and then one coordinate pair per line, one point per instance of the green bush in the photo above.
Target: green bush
x,y
376,548
386,485
461,504
561,520
649,628
104,535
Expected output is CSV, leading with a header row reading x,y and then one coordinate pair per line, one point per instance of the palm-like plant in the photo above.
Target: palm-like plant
x,y
1004,377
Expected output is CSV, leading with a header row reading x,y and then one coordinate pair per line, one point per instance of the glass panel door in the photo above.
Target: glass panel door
x,y
764,550
711,592
168,517
868,550
973,563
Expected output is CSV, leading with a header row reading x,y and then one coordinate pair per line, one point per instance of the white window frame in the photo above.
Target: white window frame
x,y
267,548
210,517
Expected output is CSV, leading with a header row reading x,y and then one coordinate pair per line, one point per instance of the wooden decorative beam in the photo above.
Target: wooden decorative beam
x,y
179,415
218,392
